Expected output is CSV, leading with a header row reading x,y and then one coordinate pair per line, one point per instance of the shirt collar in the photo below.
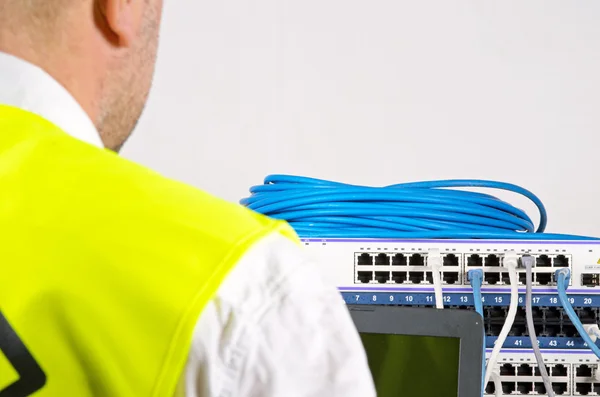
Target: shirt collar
x,y
28,87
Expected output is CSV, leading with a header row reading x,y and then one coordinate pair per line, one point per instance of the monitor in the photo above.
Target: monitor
x,y
422,352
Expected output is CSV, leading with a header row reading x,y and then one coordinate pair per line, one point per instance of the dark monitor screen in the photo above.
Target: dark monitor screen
x,y
413,365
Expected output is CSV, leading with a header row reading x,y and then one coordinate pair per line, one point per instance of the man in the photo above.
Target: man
x,y
117,282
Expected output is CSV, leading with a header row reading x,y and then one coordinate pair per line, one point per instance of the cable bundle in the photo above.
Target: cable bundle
x,y
432,210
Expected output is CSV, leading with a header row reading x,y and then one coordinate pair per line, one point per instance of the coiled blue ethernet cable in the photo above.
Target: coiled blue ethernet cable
x,y
562,280
475,277
424,210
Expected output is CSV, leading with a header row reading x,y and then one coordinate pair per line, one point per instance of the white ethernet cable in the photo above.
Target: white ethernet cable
x,y
511,261
497,383
434,259
593,331
528,262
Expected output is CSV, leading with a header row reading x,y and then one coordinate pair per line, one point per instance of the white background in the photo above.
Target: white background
x,y
379,92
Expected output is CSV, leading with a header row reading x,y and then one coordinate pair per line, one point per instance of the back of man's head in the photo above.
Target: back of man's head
x,y
102,51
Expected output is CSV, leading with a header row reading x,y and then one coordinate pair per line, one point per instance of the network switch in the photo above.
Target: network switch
x,y
399,272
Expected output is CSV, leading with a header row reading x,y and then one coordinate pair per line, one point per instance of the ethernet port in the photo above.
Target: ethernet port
x,y
583,389
450,277
494,330
538,373
451,260
518,330
543,261
382,260
365,277
570,331
496,312
429,277
559,370
507,370
399,260
524,370
561,261
539,388
416,260
399,277
522,278
586,314
597,388
583,371
543,278
492,260
382,277
490,388
491,278
520,315
364,260
537,313
416,277
474,260
508,387
559,388
590,280
524,387
552,313
551,330
505,278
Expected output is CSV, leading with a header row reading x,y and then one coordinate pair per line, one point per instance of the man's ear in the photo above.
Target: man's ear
x,y
121,17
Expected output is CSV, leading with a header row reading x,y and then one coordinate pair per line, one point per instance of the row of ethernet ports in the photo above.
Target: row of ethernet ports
x,y
511,384
405,277
524,388
449,277
472,260
514,380
588,315
548,321
496,277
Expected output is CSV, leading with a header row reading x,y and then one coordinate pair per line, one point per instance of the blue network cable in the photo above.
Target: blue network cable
x,y
424,210
476,279
562,280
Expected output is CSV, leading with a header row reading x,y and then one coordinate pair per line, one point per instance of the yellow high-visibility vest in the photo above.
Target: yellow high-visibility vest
x,y
105,266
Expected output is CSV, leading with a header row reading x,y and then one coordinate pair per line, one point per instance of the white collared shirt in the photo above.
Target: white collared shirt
x,y
286,333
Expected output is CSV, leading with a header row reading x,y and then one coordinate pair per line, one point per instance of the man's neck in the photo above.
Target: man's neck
x,y
26,86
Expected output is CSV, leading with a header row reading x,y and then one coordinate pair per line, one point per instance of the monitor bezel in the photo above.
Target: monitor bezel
x,y
465,325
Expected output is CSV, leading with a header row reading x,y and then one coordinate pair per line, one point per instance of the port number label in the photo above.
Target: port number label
x,y
357,297
553,300
409,298
374,298
498,299
391,298
553,343
519,342
447,299
464,299
535,299
520,299
570,343
587,301
429,298
571,300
